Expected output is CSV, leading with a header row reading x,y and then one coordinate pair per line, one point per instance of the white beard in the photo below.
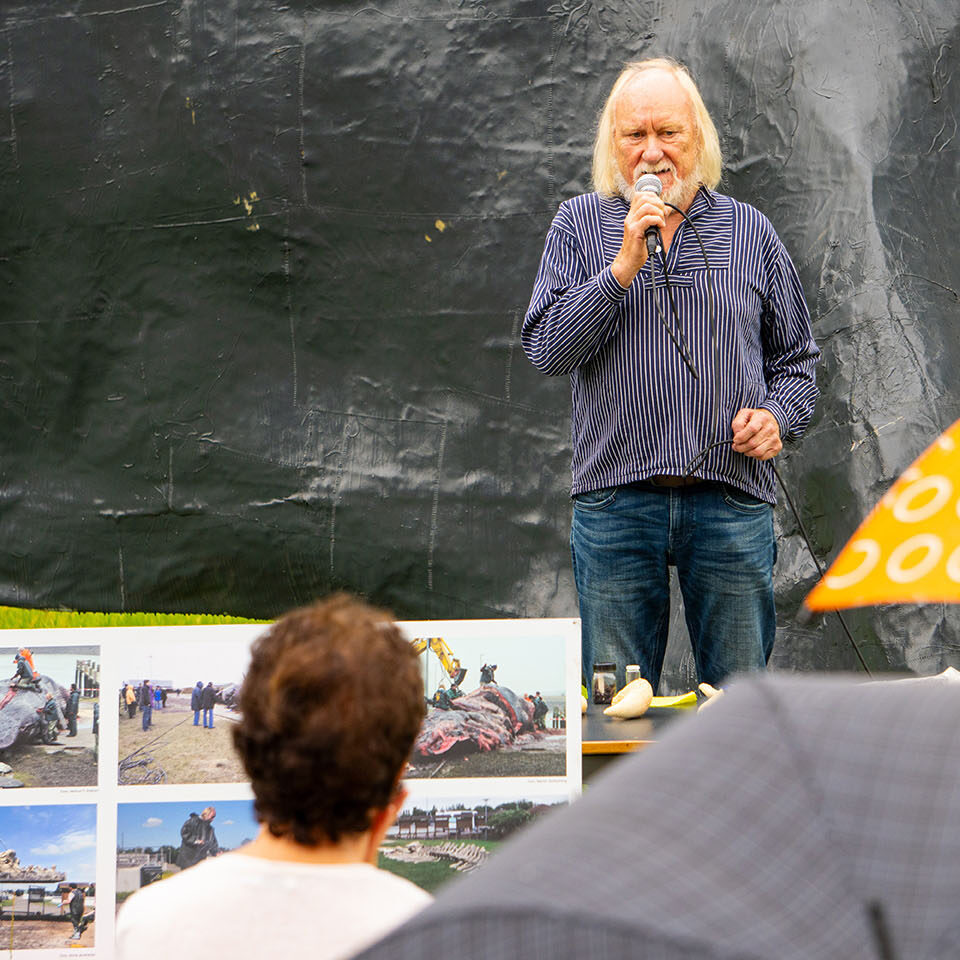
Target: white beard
x,y
680,193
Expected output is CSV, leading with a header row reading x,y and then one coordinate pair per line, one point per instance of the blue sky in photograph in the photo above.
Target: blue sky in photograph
x,y
219,654
524,663
425,795
527,661
64,835
155,824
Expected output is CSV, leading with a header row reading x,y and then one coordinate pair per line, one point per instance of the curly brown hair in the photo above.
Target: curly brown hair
x,y
330,706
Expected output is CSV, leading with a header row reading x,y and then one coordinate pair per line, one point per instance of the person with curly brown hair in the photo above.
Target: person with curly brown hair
x,y
330,708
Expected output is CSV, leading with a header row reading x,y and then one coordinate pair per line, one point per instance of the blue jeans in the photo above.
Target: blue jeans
x,y
721,541
146,716
196,718
208,713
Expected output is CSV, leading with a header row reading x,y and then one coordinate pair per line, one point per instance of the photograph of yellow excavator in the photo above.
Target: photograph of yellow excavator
x,y
444,654
512,723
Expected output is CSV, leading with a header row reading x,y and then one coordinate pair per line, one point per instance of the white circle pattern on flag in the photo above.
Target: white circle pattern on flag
x,y
907,514
928,541
953,565
871,551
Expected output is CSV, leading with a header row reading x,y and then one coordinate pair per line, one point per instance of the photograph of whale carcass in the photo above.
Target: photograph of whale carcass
x,y
495,704
49,716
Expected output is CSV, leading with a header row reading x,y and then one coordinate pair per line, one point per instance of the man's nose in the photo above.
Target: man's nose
x,y
652,150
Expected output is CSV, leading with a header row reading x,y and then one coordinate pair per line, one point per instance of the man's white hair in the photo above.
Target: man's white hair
x,y
606,172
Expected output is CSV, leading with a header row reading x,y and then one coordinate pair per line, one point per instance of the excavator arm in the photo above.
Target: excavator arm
x,y
444,654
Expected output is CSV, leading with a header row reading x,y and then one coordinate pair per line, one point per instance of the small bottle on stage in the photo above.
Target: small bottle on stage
x,y
604,682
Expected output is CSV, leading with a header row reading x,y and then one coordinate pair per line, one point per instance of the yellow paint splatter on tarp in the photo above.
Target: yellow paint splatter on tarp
x,y
440,225
247,202
501,174
426,237
193,113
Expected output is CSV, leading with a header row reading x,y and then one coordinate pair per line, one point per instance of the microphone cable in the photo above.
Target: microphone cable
x,y
677,337
650,183
700,458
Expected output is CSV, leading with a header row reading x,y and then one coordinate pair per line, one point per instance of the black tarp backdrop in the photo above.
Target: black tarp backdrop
x,y
264,266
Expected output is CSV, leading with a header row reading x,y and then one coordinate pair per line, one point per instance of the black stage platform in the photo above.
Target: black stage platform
x,y
606,738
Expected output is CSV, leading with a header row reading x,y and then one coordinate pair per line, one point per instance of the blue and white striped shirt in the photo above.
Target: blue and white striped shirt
x,y
637,410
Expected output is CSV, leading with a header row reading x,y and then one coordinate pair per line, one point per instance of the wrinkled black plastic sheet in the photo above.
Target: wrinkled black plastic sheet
x,y
264,266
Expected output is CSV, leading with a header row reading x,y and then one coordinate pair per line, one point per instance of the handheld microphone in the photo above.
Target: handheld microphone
x,y
650,182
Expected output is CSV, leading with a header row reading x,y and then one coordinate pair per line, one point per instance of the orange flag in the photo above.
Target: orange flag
x,y
908,548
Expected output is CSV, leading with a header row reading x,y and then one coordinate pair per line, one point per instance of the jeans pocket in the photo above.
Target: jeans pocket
x,y
595,499
742,501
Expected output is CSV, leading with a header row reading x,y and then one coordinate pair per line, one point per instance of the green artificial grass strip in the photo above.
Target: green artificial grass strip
x,y
17,618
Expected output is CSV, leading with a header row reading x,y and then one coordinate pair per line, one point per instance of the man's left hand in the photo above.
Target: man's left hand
x,y
756,433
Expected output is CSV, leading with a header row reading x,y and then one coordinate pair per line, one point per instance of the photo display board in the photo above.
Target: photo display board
x,y
106,793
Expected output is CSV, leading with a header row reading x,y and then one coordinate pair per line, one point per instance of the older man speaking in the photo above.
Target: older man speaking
x,y
688,368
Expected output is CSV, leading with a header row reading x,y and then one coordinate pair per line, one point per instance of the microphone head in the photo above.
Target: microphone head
x,y
650,183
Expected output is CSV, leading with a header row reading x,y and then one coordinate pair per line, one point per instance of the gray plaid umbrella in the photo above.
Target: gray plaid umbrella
x,y
797,818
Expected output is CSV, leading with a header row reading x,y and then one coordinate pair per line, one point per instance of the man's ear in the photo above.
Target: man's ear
x,y
399,799
382,821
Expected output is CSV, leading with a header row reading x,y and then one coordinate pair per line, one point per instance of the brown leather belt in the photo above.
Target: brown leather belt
x,y
668,480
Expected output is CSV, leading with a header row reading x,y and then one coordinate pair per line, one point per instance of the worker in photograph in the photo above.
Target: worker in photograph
x,y
72,710
198,839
